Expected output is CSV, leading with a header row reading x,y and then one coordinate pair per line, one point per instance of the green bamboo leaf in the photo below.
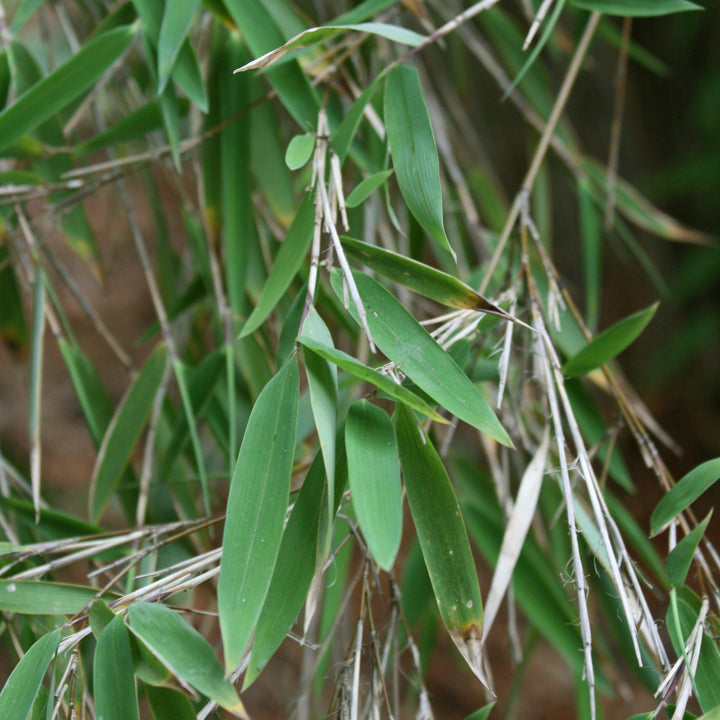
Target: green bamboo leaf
x,y
363,372
401,337
299,150
256,507
184,651
100,617
176,22
443,539
21,688
261,33
311,36
64,85
637,208
293,573
686,492
114,684
609,343
680,559
124,431
30,597
374,475
286,265
345,133
366,188
414,154
421,278
637,8
592,251
323,386
708,668
133,126
482,714
25,11
713,714
169,705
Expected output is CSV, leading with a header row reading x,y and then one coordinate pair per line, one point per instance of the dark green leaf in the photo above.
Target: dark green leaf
x,y
609,343
114,684
687,490
20,689
176,22
184,651
287,263
256,507
169,705
443,539
414,154
124,431
374,475
366,188
417,355
680,559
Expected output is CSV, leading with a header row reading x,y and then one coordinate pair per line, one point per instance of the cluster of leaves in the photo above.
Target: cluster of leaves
x,y
246,409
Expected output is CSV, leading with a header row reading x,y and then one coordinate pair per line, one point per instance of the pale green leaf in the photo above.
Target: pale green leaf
x,y
684,493
443,539
416,354
182,649
637,8
374,475
31,597
318,34
256,507
114,684
63,85
299,150
414,154
609,343
21,688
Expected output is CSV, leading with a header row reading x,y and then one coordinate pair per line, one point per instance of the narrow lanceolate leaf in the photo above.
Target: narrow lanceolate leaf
x,y
516,531
293,572
286,265
414,154
637,8
256,507
184,651
124,431
416,354
63,85
21,688
680,559
609,343
374,475
323,385
421,278
686,492
382,382
318,34
176,23
114,684
366,188
443,539
30,597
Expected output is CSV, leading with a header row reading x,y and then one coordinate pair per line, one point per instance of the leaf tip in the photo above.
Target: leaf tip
x,y
468,641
